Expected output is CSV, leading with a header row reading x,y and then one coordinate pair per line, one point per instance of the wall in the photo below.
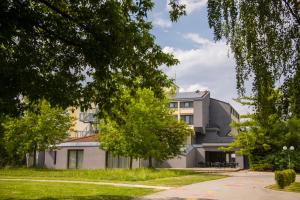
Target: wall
x,y
93,158
201,112
220,116
177,162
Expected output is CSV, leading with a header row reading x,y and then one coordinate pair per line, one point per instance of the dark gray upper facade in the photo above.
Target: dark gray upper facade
x,y
211,118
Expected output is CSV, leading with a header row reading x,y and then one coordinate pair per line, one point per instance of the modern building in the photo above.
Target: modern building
x,y
209,118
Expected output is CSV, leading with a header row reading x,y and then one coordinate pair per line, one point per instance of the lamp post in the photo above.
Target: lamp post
x,y
292,148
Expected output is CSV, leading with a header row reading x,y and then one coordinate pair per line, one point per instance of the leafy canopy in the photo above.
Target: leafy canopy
x,y
264,37
77,52
263,142
40,128
146,129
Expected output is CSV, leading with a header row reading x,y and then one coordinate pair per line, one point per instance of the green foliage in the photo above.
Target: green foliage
x,y
177,10
262,140
38,129
262,167
77,52
71,191
146,129
285,177
264,37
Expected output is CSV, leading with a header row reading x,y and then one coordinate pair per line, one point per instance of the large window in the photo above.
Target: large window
x,y
187,118
173,104
186,104
116,161
75,159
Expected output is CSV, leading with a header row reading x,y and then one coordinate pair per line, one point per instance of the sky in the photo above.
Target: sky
x,y
204,64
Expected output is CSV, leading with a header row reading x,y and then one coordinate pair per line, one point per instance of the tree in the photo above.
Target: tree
x,y
265,39
38,129
145,130
77,52
263,142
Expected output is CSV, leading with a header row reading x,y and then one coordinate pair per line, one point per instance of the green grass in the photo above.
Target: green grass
x,y
294,187
136,176
182,180
37,190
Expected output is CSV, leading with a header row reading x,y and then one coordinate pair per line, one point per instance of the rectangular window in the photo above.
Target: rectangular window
x,y
173,105
187,118
54,157
75,159
113,161
186,104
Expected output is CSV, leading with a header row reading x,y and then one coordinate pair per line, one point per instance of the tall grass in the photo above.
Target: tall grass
x,y
141,174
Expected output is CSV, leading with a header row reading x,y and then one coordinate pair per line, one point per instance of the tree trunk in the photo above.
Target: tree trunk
x,y
150,162
130,162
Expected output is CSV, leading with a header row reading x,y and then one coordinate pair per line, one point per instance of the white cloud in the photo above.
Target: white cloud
x,y
161,22
196,38
193,88
191,5
209,66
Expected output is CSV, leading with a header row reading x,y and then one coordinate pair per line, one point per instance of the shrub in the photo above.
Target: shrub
x,y
262,167
285,177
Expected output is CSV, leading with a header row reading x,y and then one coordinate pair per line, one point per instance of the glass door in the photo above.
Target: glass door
x,y
75,159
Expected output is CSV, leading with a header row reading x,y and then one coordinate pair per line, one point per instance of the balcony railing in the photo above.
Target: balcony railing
x,y
85,133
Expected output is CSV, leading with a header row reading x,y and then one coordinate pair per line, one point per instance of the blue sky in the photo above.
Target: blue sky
x,y
204,64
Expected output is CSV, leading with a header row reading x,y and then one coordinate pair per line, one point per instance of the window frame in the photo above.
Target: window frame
x,y
173,103
183,104
68,158
191,117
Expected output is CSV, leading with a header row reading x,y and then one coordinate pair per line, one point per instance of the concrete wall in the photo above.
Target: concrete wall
x,y
93,158
201,112
220,116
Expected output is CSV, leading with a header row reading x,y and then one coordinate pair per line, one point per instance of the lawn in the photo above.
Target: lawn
x,y
137,176
37,190
294,187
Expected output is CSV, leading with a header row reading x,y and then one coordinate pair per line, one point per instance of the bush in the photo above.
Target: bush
x,y
285,177
261,167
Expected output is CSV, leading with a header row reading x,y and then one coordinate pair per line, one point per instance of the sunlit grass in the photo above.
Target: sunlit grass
x,y
38,190
294,187
162,177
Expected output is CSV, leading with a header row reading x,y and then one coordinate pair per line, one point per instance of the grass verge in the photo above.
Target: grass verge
x,y
294,187
53,191
161,177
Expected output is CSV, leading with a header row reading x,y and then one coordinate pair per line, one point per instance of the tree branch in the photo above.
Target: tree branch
x,y
292,12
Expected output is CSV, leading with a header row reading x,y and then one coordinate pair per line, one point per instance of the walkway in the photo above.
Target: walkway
x,y
242,185
90,182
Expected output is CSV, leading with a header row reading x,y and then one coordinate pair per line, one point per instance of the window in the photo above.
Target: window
x,y
75,159
54,157
173,105
113,161
187,118
187,104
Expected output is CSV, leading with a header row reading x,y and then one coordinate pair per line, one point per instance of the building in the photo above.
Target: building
x,y
209,118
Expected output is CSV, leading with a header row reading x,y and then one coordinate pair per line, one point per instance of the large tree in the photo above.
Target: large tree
x,y
40,128
145,130
76,52
263,143
264,36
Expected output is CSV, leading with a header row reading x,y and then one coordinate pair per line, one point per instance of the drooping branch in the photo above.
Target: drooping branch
x,y
295,15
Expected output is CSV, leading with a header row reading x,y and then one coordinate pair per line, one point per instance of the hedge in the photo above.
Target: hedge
x,y
261,167
285,177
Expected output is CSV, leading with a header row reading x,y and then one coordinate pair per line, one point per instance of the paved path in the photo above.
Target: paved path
x,y
242,185
90,182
